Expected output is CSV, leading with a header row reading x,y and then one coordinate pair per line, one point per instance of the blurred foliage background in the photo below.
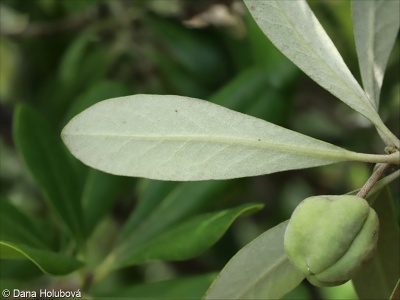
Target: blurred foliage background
x,y
60,57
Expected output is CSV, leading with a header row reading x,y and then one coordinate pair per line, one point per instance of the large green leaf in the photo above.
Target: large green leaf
x,y
261,270
49,165
162,205
48,261
185,240
376,24
192,287
379,278
181,138
296,32
166,203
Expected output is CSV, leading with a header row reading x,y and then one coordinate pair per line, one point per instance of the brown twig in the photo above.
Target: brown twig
x,y
378,174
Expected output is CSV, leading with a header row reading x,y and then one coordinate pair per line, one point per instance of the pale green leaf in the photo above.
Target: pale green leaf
x,y
379,278
261,270
181,138
294,29
48,261
296,32
376,24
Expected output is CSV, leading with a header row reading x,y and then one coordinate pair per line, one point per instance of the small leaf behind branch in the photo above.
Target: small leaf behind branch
x,y
181,138
261,270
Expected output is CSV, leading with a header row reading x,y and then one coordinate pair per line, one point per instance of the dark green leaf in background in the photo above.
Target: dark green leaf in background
x,y
162,205
379,278
16,226
176,78
188,239
48,261
73,57
253,93
21,270
48,163
193,50
152,221
186,288
85,62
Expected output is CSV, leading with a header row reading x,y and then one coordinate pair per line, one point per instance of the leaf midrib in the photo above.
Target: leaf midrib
x,y
332,71
263,275
336,152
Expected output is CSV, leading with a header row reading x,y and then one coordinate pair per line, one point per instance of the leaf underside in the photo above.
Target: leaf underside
x,y
376,24
180,138
297,33
260,270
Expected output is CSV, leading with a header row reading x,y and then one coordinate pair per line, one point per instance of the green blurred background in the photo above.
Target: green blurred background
x,y
61,56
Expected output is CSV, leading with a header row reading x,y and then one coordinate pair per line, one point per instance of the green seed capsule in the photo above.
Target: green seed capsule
x,y
329,238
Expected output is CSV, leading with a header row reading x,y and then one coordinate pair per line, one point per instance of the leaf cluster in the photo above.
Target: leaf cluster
x,y
121,216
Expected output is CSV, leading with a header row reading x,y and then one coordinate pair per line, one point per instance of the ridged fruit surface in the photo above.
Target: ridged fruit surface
x,y
329,238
